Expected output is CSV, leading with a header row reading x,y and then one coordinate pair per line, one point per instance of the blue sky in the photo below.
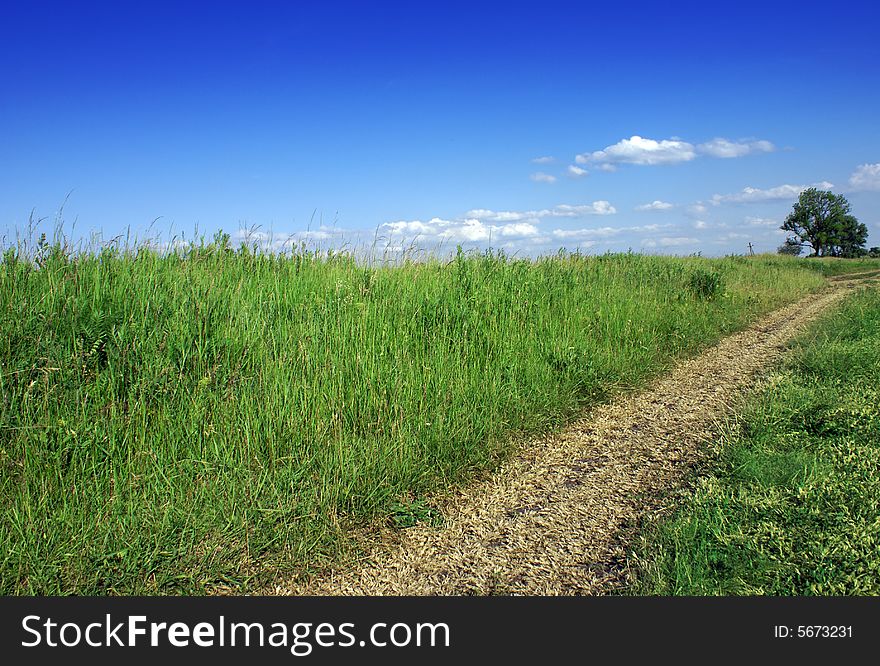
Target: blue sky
x,y
661,127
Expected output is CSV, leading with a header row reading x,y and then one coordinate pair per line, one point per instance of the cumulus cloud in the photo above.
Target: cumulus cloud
x,y
638,150
725,148
506,215
280,242
600,207
601,232
482,225
604,232
468,230
576,171
781,192
541,177
655,205
548,159
530,232
761,221
666,241
865,177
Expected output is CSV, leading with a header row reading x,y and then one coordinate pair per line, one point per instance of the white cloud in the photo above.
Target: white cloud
x,y
676,241
506,215
865,177
604,232
600,207
518,230
582,242
280,242
700,224
483,225
725,148
456,231
544,160
637,150
601,232
761,221
781,192
541,177
655,205
576,171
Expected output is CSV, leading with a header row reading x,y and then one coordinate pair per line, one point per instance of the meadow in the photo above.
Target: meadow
x,y
212,418
790,506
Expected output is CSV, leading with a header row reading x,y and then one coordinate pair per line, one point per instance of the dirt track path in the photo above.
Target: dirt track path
x,y
554,519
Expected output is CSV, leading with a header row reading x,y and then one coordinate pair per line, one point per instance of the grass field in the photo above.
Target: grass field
x,y
171,423
792,507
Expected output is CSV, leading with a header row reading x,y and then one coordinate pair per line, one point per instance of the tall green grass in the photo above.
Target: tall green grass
x,y
173,422
792,507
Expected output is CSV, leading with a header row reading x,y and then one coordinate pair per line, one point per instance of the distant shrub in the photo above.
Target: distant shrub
x,y
705,285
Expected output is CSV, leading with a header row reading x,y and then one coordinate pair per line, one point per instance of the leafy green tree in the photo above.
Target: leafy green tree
x,y
874,253
851,238
821,221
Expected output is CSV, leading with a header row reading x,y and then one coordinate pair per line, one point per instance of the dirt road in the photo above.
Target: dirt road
x,y
556,517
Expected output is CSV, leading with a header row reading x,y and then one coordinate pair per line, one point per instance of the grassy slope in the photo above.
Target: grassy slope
x,y
174,423
793,507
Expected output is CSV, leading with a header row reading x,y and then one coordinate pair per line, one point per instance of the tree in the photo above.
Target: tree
x,y
874,253
851,236
790,247
822,221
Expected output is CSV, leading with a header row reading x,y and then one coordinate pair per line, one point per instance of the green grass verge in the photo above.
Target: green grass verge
x,y
793,505
173,423
831,266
